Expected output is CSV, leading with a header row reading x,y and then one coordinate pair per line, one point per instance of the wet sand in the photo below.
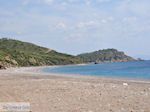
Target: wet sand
x,y
57,93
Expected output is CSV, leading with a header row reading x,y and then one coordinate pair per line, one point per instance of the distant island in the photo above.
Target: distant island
x,y
15,53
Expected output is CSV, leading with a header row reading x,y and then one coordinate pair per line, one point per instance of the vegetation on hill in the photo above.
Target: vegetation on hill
x,y
106,55
16,53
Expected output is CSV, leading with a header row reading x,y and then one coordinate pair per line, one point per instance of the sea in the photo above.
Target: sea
x,y
131,70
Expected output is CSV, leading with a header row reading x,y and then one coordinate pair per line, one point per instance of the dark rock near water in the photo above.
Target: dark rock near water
x,y
139,59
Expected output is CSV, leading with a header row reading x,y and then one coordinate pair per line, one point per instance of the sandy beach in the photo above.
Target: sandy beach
x,y
56,93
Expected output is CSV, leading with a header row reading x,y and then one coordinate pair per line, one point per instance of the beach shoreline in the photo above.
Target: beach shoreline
x,y
48,92
39,71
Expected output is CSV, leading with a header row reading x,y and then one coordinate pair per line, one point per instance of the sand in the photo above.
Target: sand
x,y
56,93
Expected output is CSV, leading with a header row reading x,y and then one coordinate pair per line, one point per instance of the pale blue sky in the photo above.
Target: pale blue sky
x,y
76,26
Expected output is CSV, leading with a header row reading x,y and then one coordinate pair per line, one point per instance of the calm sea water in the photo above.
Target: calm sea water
x,y
139,70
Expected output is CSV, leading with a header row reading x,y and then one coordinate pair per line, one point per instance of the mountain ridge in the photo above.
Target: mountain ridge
x,y
15,53
105,55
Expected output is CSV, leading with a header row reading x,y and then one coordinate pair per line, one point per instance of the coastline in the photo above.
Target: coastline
x,y
38,70
50,92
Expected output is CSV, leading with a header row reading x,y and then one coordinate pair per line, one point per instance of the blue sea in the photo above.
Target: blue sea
x,y
132,70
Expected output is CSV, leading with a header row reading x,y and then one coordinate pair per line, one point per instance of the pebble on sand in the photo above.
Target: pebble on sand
x,y
125,84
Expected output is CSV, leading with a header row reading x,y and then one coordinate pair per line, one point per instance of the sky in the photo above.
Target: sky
x,y
77,26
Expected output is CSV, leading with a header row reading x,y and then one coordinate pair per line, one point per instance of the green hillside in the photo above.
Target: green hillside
x,y
17,53
106,55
